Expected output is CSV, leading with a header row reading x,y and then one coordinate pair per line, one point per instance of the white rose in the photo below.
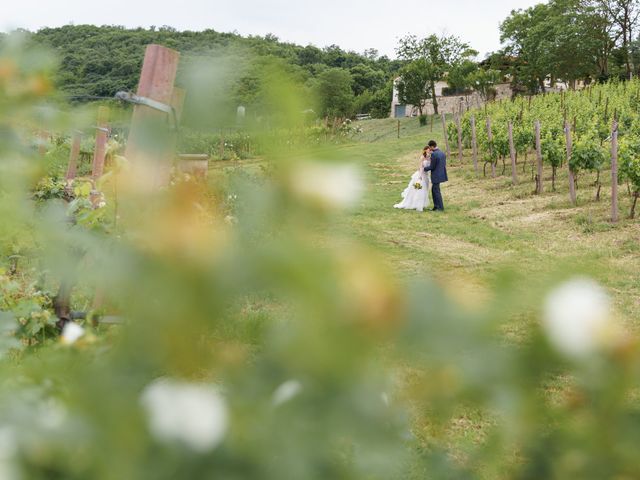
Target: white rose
x,y
285,392
334,186
71,333
577,317
192,414
8,452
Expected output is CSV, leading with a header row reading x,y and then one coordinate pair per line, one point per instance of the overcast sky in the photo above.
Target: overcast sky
x,y
351,24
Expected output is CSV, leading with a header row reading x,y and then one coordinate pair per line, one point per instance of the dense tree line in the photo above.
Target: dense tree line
x,y
571,40
99,61
568,40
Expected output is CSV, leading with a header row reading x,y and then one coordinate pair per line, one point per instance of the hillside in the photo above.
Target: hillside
x,y
99,61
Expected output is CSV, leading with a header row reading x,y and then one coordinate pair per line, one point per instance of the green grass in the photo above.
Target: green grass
x,y
490,225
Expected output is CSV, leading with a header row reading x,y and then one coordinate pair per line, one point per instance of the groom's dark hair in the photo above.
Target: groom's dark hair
x,y
433,144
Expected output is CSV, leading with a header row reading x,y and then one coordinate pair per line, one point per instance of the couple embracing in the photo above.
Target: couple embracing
x,y
416,196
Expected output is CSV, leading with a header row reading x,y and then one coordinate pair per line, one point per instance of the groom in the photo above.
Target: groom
x,y
438,169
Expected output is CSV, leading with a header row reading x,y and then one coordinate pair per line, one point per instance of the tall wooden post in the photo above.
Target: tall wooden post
x,y
100,150
490,138
474,145
446,136
72,169
156,82
459,128
539,187
398,128
177,101
572,180
614,171
43,140
512,150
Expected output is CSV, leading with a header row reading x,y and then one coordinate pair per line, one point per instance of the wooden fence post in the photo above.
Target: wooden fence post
x,y
446,136
97,168
43,140
72,169
572,182
460,150
156,82
490,138
539,187
614,171
474,144
398,128
512,150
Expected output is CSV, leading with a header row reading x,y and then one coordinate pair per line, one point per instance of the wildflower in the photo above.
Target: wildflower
x,y
577,317
285,392
71,333
191,414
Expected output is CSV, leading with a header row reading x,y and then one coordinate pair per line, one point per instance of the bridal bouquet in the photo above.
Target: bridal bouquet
x,y
417,186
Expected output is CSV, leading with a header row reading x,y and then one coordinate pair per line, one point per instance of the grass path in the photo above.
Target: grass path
x,y
490,225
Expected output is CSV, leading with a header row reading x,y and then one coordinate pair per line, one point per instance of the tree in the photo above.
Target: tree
x,y
414,87
366,78
623,15
483,81
460,78
334,94
436,55
381,101
567,39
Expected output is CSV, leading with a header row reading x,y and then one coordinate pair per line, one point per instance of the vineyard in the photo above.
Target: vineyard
x,y
244,302
592,133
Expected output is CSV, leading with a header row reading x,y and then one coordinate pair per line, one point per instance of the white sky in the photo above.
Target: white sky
x,y
351,24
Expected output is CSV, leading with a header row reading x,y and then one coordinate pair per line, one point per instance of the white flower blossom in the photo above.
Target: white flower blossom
x,y
8,452
285,392
192,414
334,186
577,317
71,333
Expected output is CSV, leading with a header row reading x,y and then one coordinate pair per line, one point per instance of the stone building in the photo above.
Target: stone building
x,y
446,103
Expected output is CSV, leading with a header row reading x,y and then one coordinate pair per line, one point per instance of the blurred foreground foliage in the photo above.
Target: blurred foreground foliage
x,y
254,346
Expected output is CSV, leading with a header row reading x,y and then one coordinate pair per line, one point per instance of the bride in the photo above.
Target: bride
x,y
416,195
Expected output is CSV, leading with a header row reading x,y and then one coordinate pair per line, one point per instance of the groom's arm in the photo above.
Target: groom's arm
x,y
432,165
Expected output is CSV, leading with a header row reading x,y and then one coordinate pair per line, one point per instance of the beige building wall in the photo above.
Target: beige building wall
x,y
449,104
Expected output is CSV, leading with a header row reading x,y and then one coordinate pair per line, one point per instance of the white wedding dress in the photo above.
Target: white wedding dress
x,y
416,198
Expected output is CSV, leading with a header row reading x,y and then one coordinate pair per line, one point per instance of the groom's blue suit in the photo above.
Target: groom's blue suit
x,y
438,169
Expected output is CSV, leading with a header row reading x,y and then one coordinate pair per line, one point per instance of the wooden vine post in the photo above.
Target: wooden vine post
x,y
572,180
490,138
474,144
43,140
446,136
72,168
459,128
156,83
100,151
614,171
512,151
99,154
539,187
